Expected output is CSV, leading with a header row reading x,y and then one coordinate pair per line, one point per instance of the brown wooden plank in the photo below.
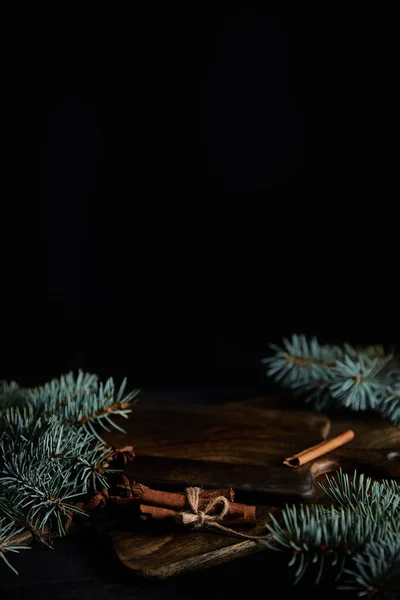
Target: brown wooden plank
x,y
253,441
232,433
168,551
271,484
223,442
371,430
242,444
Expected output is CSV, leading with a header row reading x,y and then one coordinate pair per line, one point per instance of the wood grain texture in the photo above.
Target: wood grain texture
x,y
163,551
239,445
229,441
253,439
232,433
371,430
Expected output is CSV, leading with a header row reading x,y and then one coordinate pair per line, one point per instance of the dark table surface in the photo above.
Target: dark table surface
x,y
83,566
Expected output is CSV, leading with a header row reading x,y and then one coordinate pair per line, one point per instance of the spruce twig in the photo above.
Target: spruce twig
x,y
376,569
358,535
7,541
51,452
329,376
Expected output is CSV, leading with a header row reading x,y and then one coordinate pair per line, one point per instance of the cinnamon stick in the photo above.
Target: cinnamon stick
x,y
159,513
318,450
249,516
162,498
177,502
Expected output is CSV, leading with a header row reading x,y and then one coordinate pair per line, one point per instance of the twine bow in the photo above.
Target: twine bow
x,y
197,517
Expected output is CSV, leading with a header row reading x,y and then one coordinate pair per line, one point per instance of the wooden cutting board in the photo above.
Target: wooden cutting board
x,y
219,445
241,445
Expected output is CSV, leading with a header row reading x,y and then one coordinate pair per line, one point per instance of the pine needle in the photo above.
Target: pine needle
x,y
328,376
51,451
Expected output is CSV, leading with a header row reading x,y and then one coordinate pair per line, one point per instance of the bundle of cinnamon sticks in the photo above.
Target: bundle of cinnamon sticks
x,y
157,505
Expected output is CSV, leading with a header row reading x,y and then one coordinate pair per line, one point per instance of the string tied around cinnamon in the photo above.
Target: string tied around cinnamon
x,y
197,518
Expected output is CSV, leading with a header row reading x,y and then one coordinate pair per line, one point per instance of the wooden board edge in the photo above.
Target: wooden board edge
x,y
200,562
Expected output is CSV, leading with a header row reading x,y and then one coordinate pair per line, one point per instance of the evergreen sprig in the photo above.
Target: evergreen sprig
x,y
389,403
338,376
83,400
376,567
8,534
37,490
363,493
358,535
51,450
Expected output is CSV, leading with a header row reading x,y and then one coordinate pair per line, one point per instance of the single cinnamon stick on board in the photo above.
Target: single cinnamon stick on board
x,y
159,513
319,450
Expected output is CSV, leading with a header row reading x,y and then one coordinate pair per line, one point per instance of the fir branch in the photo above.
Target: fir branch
x,y
328,376
8,534
358,535
376,567
369,352
345,490
58,392
72,451
10,394
326,536
356,382
300,361
10,512
20,420
41,493
96,409
92,468
360,492
389,404
317,394
51,452
84,401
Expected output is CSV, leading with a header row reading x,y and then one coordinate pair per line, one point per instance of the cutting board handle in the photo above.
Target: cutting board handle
x,y
374,463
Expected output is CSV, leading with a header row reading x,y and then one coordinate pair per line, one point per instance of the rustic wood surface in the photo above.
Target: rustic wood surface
x,y
163,551
84,565
238,444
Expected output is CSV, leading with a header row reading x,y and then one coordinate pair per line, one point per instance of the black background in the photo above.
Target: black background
x,y
182,186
